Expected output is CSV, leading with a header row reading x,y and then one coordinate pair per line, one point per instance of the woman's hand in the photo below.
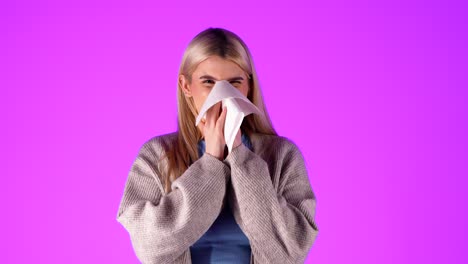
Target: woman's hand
x,y
213,131
237,140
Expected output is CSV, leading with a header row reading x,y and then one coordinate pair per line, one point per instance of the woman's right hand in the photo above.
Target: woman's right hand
x,y
213,131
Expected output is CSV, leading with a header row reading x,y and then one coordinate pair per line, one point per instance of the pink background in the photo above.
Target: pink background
x,y
373,94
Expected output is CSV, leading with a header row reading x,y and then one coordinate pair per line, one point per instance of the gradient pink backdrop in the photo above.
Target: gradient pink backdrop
x,y
373,93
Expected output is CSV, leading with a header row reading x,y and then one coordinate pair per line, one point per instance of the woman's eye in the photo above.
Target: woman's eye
x,y
208,81
238,82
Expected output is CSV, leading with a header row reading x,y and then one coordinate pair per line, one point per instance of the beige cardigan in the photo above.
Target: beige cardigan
x,y
271,198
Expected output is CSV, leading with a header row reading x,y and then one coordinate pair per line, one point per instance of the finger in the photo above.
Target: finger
x,y
213,113
201,126
222,118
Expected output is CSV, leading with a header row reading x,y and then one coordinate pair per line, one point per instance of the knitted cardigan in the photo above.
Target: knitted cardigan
x,y
270,195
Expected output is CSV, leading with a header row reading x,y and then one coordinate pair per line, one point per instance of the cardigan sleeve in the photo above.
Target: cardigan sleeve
x,y
280,226
163,226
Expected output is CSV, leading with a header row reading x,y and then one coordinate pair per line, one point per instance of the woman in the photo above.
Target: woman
x,y
186,200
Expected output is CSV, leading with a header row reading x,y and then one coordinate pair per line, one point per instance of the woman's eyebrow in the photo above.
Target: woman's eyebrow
x,y
207,77
213,78
236,79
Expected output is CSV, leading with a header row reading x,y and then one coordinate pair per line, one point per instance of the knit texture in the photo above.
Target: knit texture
x,y
269,193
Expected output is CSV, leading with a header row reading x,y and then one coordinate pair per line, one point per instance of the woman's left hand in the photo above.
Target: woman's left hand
x,y
238,139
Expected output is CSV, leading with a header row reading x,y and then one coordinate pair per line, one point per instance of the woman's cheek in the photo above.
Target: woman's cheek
x,y
201,101
201,96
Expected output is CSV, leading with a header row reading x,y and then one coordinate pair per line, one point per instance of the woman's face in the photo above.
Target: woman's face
x,y
207,72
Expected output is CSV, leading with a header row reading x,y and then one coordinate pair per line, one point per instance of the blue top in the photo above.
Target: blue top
x,y
224,242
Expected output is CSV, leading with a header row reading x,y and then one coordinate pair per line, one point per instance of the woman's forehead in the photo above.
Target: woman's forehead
x,y
218,68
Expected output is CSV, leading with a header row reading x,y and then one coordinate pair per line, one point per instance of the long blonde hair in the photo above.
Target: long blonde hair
x,y
181,153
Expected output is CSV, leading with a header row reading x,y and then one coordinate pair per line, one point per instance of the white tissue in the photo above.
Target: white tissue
x,y
238,106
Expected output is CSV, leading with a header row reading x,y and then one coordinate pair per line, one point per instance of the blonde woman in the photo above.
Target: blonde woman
x,y
187,200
